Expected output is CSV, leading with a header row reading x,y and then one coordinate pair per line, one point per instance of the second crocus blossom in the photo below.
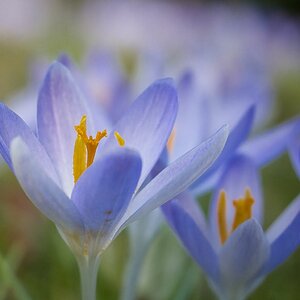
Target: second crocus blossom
x,y
232,248
89,181
262,148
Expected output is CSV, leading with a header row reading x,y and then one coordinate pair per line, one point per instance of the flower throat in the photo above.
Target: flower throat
x,y
85,147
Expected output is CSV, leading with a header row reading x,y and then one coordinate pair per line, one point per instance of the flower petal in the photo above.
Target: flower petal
x,y
42,190
241,257
106,84
192,237
103,191
190,205
239,174
11,126
147,124
284,235
60,107
294,151
269,145
188,131
237,135
176,177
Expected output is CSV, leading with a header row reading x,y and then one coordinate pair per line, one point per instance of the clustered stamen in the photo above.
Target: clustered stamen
x,y
243,212
86,146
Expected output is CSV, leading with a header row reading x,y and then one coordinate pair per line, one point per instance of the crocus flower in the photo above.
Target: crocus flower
x,y
262,147
203,115
232,248
92,194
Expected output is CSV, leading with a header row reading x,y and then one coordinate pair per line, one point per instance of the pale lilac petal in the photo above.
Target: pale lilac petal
x,y
284,235
98,114
294,151
269,145
11,126
242,256
147,124
188,128
192,238
106,84
239,174
237,136
103,191
44,193
189,204
60,108
176,177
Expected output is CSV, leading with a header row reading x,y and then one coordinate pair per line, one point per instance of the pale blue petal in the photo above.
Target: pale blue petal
x,y
284,235
66,60
161,163
294,151
106,84
192,238
269,145
60,108
104,190
99,115
237,136
176,177
242,256
190,205
11,126
239,174
147,124
44,193
188,127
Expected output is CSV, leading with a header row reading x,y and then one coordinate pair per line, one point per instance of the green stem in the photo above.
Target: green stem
x,y
88,267
132,273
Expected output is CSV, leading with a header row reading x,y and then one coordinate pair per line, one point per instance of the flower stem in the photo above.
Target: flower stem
x,y
88,267
132,273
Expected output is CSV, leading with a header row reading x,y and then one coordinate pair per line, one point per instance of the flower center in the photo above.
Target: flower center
x,y
243,212
86,146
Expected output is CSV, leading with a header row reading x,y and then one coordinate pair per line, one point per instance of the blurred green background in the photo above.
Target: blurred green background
x,y
34,261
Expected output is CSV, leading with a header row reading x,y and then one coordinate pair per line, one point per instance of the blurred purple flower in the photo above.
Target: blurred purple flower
x,y
232,248
107,193
225,34
204,115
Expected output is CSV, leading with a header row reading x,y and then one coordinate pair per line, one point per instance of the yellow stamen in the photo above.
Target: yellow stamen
x,y
243,212
243,209
120,140
92,145
79,161
171,140
222,220
85,148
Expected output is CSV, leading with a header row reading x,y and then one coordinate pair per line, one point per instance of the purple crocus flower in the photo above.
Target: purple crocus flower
x,y
204,115
232,248
197,118
90,194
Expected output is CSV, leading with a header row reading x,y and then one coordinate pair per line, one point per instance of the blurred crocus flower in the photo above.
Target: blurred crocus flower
x,y
204,115
245,105
90,194
188,28
232,248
